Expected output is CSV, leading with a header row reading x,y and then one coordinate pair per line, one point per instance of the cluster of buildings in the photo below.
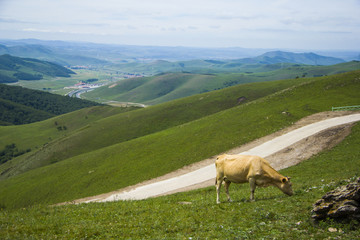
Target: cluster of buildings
x,y
84,85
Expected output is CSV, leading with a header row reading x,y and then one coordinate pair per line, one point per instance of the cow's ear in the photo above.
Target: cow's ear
x,y
284,180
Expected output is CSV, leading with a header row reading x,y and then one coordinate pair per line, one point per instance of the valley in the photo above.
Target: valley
x,y
148,117
152,133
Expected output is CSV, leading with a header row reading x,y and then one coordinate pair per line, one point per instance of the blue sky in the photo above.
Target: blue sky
x,y
301,24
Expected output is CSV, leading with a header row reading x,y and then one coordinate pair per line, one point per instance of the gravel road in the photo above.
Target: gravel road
x,y
206,174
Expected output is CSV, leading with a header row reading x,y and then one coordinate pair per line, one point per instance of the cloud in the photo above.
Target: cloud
x,y
230,22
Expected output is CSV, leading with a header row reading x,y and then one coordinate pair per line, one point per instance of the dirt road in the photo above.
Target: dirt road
x,y
282,149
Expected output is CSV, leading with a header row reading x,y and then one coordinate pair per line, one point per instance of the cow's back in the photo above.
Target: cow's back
x,y
238,168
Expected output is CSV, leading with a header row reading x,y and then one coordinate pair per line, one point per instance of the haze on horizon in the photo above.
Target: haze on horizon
x,y
286,24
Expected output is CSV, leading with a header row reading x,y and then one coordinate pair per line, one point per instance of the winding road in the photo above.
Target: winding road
x,y
208,172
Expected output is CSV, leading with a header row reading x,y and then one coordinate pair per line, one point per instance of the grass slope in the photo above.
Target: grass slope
x,y
92,135
155,154
170,86
39,135
195,215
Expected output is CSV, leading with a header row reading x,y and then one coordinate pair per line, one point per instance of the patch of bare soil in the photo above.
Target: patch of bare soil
x,y
287,157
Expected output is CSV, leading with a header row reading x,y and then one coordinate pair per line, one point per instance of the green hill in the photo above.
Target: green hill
x,y
13,69
21,105
124,127
56,55
300,58
195,215
170,86
253,64
127,148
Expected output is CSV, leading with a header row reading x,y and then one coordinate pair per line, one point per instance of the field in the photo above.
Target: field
x,y
195,215
198,77
94,157
104,149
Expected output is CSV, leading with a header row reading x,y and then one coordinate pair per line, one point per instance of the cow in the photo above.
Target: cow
x,y
248,168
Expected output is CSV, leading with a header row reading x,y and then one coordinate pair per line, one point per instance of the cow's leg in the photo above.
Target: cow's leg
x,y
252,182
218,183
227,184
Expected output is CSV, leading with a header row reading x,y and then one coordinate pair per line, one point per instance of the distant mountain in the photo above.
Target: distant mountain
x,y
20,105
13,69
50,54
266,62
131,53
301,58
85,53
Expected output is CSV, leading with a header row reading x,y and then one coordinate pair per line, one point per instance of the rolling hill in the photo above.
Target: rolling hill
x,y
243,65
46,53
92,54
300,58
126,148
13,69
170,86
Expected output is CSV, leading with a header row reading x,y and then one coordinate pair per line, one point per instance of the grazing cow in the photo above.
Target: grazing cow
x,y
246,168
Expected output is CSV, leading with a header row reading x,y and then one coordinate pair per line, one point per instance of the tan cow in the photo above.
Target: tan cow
x,y
247,168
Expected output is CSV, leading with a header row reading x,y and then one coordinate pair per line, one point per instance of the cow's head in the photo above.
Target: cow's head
x,y
286,186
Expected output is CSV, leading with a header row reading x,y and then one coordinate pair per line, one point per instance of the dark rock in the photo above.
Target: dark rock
x,y
342,203
241,99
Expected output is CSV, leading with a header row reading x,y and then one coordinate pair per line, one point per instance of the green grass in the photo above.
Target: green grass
x,y
37,136
88,130
272,216
155,153
166,87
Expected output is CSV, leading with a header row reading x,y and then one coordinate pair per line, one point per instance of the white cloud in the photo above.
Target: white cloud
x,y
247,23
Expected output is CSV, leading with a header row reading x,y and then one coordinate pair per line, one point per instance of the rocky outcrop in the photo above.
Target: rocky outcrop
x,y
342,203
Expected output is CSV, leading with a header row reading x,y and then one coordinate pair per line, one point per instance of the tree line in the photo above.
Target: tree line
x,y
20,105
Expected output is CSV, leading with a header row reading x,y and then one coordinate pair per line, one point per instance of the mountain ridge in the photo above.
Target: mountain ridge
x,y
172,85
20,105
14,68
96,53
309,58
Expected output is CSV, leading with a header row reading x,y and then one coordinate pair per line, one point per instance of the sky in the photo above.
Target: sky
x,y
287,24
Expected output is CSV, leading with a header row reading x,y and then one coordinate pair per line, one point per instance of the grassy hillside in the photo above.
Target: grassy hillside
x,y
13,69
195,214
152,154
38,136
170,86
78,139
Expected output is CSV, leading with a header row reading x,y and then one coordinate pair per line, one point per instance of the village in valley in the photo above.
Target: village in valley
x,y
91,84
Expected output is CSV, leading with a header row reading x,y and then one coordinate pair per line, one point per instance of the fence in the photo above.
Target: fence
x,y
346,108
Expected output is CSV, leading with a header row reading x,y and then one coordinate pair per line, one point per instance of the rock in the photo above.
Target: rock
x,y
342,203
241,99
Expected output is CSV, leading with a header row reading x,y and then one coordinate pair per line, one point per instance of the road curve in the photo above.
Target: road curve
x,y
208,172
